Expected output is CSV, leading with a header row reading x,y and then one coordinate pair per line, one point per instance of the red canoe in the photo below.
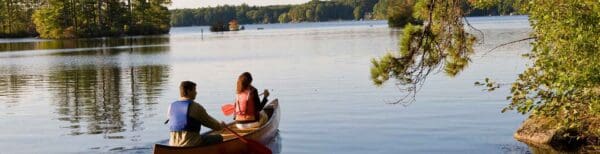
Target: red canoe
x,y
232,144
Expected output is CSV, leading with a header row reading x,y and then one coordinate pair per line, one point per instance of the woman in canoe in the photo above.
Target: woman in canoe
x,y
247,104
186,117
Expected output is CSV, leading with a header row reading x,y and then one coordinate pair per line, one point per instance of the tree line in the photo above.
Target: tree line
x,y
15,17
397,12
400,12
97,18
83,18
312,11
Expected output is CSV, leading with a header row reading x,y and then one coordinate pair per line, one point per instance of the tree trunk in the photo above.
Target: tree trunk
x,y
74,16
109,16
9,17
99,25
130,16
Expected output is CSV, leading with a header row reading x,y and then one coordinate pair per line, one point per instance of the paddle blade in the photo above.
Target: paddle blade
x,y
227,109
258,148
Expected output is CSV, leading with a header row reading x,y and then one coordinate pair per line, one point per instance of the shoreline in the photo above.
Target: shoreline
x,y
543,135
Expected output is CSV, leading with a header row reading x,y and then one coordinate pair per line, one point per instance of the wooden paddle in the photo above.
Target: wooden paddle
x,y
253,145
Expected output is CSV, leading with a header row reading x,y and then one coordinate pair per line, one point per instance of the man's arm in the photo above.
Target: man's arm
x,y
199,113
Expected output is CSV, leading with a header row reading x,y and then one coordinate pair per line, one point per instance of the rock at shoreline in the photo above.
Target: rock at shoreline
x,y
543,133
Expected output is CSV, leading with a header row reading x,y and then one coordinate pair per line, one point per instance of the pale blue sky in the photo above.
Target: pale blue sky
x,y
206,3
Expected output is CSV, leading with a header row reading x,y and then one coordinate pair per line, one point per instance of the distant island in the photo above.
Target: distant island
x,y
395,11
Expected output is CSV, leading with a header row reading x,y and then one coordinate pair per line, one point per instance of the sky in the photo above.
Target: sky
x,y
206,3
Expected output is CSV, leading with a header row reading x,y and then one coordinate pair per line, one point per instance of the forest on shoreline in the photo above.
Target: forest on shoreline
x,y
59,19
314,11
63,19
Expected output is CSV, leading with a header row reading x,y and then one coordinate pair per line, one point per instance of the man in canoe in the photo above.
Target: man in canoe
x,y
247,104
186,117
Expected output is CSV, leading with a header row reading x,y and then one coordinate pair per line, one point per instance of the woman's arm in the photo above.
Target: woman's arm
x,y
259,105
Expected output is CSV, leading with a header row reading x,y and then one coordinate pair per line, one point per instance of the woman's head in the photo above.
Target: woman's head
x,y
187,89
244,81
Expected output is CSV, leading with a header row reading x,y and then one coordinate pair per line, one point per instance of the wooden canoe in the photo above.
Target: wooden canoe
x,y
231,144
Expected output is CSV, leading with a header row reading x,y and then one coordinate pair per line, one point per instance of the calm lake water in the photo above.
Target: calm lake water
x,y
111,95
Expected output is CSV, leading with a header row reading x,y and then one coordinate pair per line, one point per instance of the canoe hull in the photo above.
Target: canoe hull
x,y
264,135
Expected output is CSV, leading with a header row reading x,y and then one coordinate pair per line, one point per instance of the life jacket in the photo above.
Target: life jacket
x,y
179,118
244,107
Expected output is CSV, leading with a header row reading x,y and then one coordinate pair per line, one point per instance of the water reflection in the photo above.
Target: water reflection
x,y
545,149
13,85
98,99
515,149
98,86
82,43
276,144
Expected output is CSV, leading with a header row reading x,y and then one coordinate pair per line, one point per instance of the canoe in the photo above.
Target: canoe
x,y
232,144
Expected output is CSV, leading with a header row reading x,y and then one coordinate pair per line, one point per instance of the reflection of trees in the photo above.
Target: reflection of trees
x,y
93,97
114,51
99,99
16,46
146,82
84,43
13,85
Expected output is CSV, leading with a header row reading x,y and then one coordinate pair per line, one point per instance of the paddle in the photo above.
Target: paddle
x,y
227,109
253,145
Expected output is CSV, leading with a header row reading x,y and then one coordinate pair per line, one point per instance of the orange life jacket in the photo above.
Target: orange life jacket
x,y
244,107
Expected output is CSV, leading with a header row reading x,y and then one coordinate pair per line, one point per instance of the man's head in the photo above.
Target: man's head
x,y
187,89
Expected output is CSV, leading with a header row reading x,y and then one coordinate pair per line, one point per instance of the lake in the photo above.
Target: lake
x,y
111,94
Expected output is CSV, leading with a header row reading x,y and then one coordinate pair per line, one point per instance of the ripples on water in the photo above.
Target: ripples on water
x,y
111,94
88,87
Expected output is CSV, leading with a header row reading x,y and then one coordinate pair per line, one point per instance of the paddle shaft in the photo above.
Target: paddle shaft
x,y
236,134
